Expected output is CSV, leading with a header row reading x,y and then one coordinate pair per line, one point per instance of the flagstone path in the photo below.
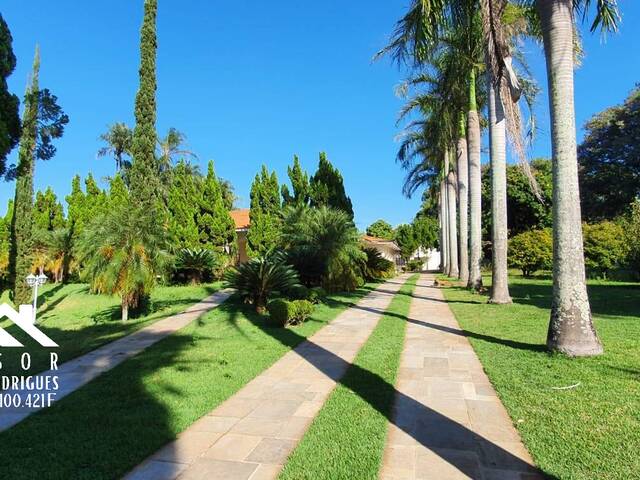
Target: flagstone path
x,y
251,434
447,421
81,370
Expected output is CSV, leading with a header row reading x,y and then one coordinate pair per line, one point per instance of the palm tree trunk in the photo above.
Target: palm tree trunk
x,y
125,310
441,224
475,188
445,226
497,138
454,270
463,202
571,329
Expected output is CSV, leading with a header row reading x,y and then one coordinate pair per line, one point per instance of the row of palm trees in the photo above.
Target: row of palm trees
x,y
464,56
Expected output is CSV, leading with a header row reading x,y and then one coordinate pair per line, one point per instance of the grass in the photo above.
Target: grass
x,y
113,423
346,439
79,321
590,431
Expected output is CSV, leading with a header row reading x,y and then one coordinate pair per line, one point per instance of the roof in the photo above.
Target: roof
x,y
240,218
380,241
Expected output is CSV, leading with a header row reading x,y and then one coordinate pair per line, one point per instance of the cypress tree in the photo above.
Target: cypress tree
x,y
95,200
183,202
22,223
300,183
5,236
9,103
327,188
48,214
216,227
118,193
264,213
75,205
144,176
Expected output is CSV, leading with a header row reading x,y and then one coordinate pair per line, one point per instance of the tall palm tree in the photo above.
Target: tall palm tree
x,y
170,147
118,140
571,329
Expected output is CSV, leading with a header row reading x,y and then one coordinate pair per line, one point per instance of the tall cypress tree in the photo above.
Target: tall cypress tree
x,y
9,103
22,223
327,187
144,176
118,194
300,184
217,229
264,213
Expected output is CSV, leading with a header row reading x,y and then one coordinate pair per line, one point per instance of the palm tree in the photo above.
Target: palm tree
x,y
118,140
571,329
170,147
123,253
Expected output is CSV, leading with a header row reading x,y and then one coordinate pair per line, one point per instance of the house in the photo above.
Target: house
x,y
241,219
387,248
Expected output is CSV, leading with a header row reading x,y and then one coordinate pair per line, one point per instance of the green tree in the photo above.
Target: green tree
x,y
75,206
43,120
631,224
610,155
144,180
426,231
48,213
215,225
531,251
327,187
525,211
605,247
5,242
406,240
118,193
300,184
264,213
183,202
123,251
380,229
9,103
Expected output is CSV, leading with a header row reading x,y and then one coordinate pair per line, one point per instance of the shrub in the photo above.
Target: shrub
x,y
415,265
283,313
317,295
530,251
258,278
299,292
376,266
605,247
195,263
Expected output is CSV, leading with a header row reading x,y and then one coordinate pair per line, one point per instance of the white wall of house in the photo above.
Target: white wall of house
x,y
430,258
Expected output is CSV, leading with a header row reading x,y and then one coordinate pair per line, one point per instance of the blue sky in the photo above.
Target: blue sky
x,y
254,82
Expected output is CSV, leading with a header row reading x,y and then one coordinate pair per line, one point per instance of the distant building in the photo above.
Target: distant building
x,y
241,219
387,248
430,258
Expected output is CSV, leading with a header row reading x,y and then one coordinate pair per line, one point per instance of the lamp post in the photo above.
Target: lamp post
x,y
34,282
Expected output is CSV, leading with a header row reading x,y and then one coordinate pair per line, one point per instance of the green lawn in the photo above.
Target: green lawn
x,y
80,322
346,439
591,431
116,421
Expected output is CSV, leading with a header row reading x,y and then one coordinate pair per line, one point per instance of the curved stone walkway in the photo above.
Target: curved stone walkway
x,y
81,370
251,434
447,421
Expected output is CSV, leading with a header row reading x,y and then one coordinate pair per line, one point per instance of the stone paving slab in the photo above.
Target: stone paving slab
x,y
251,434
448,422
81,370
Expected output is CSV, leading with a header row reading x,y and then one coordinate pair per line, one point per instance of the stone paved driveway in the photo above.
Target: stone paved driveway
x,y
447,421
252,433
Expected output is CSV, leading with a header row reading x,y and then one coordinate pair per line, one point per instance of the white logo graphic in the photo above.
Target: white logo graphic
x,y
24,320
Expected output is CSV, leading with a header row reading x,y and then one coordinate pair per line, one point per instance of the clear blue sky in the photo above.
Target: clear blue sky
x,y
254,82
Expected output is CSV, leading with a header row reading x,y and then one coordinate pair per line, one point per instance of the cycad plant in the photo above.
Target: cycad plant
x,y
258,278
195,263
123,253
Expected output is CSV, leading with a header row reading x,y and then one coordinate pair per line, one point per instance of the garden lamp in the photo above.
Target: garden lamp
x,y
34,282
